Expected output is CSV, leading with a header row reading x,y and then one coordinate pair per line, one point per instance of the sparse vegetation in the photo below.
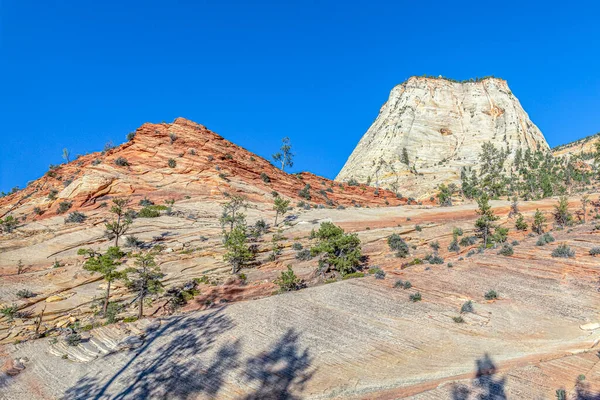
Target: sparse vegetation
x,y
339,251
564,251
491,295
467,307
75,217
288,281
506,250
397,244
415,297
172,163
285,155
25,294
265,178
122,162
545,239
8,224
64,206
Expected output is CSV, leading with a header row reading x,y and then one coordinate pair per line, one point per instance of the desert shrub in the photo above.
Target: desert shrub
x,y
305,193
470,253
402,285
418,228
467,307
73,339
173,137
352,182
8,224
145,202
415,297
130,136
491,295
457,232
288,281
563,250
377,272
172,163
96,161
64,206
545,239
515,242
458,320
148,212
25,294
468,241
435,259
506,250
37,211
304,255
397,244
9,311
450,265
594,251
122,162
435,245
132,241
265,178
75,217
561,394
454,246
52,195
297,246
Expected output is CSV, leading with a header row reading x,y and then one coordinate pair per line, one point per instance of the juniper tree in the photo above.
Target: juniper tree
x,y
285,155
445,195
339,250
119,226
281,207
144,279
405,159
106,265
585,198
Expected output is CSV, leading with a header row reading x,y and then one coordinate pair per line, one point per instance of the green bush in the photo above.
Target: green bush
x,y
25,294
352,182
397,244
172,163
491,295
265,178
468,241
305,193
75,217
545,239
340,251
435,245
304,255
506,250
73,339
121,162
402,285
564,251
594,251
467,307
288,281
297,246
64,206
458,320
457,232
418,228
415,297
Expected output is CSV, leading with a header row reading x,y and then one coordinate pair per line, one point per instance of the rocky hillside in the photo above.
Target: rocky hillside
x,y
441,124
584,147
177,161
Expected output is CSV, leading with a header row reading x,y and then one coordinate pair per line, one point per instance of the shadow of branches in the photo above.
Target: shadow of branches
x,y
167,364
485,386
280,373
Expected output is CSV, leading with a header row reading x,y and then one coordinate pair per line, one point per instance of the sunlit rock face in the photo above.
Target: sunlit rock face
x,y
441,124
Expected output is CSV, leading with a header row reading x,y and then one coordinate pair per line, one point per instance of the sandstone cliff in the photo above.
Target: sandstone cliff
x,y
441,124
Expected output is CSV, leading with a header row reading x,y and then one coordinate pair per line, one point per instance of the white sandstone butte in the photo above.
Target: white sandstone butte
x,y
442,124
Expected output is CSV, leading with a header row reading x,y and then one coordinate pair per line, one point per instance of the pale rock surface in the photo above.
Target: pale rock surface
x,y
442,124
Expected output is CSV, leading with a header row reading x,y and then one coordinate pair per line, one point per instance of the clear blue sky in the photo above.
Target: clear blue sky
x,y
77,74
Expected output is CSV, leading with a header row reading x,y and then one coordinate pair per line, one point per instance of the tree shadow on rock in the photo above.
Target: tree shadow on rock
x,y
485,386
168,365
280,373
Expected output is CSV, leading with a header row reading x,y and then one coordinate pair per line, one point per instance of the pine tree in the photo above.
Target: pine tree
x,y
485,223
538,222
146,279
561,213
119,226
285,155
280,207
237,250
106,265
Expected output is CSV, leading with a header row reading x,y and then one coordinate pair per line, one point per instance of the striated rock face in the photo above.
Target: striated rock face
x,y
204,165
442,125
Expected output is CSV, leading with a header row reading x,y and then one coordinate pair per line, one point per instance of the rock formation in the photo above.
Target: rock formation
x,y
442,125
